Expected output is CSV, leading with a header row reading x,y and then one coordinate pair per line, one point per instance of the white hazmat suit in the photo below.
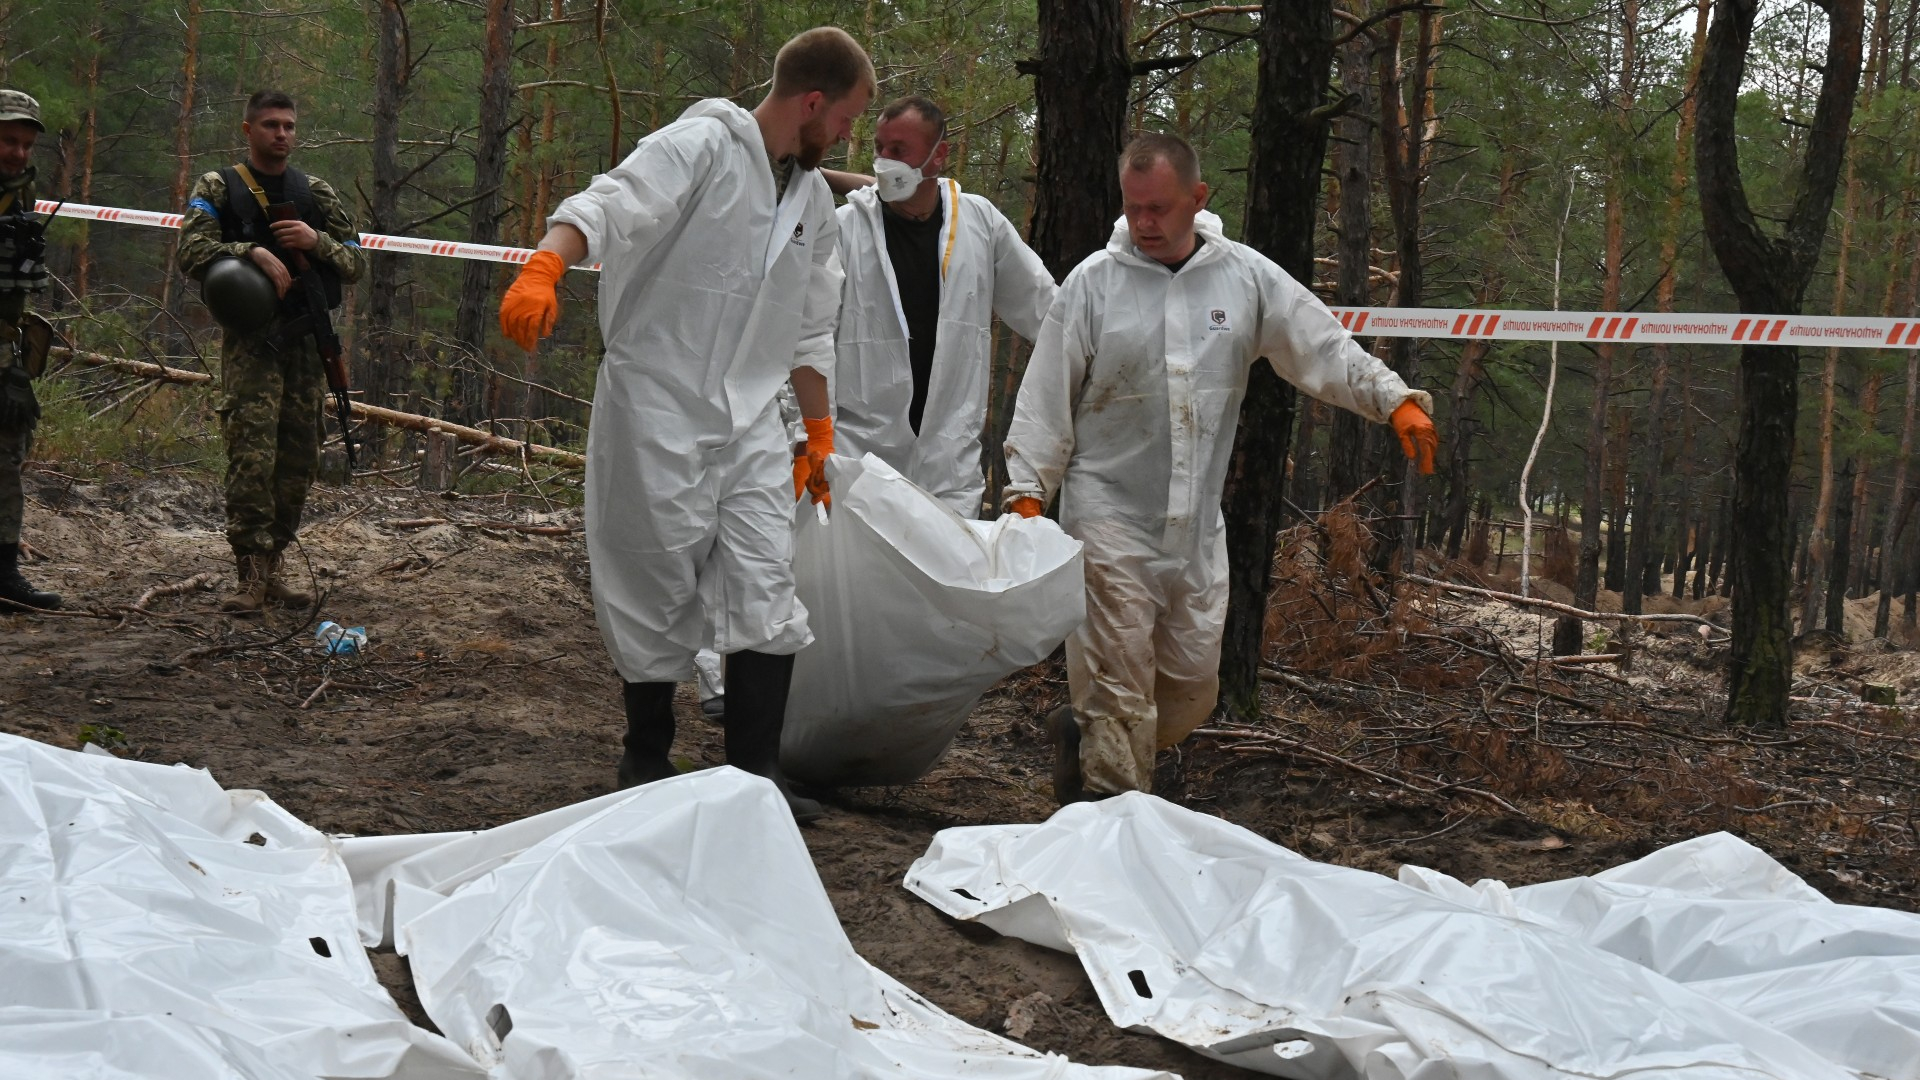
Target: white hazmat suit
x,y
1128,410
711,291
985,270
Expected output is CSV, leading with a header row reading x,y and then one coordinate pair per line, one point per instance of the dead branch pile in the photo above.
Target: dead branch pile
x,y
1404,688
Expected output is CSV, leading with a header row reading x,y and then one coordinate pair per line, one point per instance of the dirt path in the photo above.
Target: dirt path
x,y
486,697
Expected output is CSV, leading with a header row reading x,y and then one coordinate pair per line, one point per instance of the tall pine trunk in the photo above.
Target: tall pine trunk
x,y
183,136
1768,275
483,215
1081,81
1349,440
1289,146
1897,502
386,372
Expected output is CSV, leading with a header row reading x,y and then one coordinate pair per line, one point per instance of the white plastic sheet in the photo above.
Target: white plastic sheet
x,y
1720,916
915,612
1214,937
142,935
675,930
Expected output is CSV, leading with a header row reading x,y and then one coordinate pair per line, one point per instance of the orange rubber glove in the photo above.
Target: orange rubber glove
x,y
1027,506
1418,440
819,448
802,472
532,303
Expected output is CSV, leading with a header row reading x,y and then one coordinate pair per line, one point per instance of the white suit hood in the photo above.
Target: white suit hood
x,y
1120,244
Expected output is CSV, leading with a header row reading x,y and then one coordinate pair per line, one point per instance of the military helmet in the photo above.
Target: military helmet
x,y
239,294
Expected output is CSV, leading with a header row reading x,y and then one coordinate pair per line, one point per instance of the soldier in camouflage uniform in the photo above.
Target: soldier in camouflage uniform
x,y
271,411
22,353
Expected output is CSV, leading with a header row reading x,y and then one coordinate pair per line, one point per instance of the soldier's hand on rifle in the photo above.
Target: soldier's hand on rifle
x,y
276,271
295,235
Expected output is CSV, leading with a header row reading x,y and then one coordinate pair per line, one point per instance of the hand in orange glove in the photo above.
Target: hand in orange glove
x,y
1027,506
819,448
1418,440
528,311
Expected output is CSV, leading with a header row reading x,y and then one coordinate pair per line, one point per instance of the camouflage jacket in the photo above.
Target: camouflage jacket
x,y
201,239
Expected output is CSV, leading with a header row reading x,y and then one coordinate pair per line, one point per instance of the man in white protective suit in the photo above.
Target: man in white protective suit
x,y
1127,411
720,282
928,267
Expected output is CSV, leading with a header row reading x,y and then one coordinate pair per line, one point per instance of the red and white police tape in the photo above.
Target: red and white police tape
x,y
411,245
1591,326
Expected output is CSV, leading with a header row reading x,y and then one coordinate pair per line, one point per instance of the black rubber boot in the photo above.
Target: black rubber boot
x,y
757,686
1064,733
649,734
15,588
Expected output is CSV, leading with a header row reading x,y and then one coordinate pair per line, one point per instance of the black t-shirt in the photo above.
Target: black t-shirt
x,y
1198,243
914,249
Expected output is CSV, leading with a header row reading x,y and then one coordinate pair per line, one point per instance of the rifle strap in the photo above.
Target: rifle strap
x,y
246,177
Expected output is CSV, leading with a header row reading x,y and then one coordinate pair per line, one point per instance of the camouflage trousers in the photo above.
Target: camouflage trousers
x,y
13,458
270,417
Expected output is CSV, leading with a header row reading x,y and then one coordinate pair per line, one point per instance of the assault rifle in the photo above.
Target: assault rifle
x,y
317,322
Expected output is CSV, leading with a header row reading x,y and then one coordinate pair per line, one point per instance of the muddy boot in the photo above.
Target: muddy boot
x,y
756,713
280,592
1063,731
15,588
251,595
649,734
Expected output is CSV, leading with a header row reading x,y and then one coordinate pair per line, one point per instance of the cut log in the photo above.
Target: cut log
x,y
410,421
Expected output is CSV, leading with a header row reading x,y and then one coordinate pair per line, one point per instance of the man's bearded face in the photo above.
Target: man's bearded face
x,y
815,141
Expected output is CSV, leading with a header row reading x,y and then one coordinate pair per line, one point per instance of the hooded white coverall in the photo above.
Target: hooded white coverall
x,y
986,270
711,293
1128,410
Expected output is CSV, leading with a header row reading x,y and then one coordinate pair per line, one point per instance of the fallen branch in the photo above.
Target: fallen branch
x,y
206,580
1281,746
374,413
1563,609
483,439
1587,658
317,691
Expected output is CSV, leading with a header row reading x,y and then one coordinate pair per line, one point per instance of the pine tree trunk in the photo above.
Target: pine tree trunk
x,y
1082,77
183,136
1350,448
1409,126
1897,502
1851,581
483,215
1842,552
386,373
1767,275
83,258
1289,146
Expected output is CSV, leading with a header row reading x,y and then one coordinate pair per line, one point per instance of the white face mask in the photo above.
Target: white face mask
x,y
898,180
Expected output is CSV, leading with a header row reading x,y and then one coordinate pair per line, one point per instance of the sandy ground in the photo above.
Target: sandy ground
x,y
486,696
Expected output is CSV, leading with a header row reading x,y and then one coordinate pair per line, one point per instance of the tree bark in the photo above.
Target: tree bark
x,y
1350,449
1408,127
386,373
83,259
1842,551
1082,78
1896,504
1768,275
183,136
1857,539
1289,145
483,216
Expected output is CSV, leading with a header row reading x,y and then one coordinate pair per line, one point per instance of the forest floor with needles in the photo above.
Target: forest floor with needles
x,y
1403,721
